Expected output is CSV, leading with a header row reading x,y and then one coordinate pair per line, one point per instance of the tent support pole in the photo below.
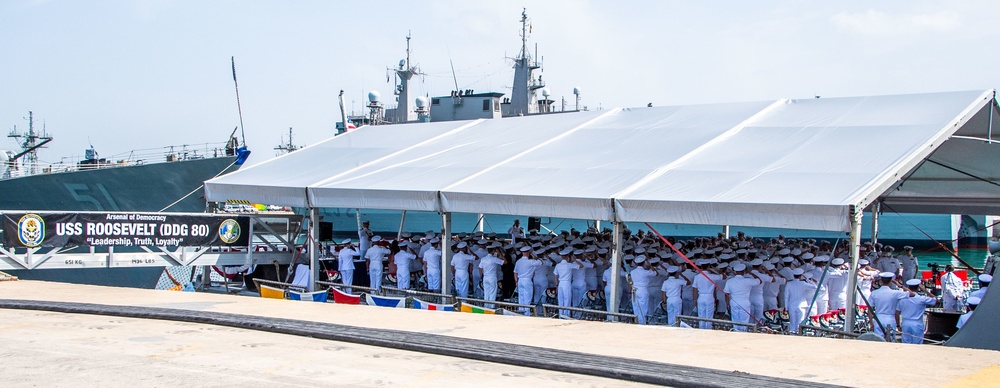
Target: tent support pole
x,y
313,247
616,268
445,253
875,210
402,220
852,279
725,231
479,225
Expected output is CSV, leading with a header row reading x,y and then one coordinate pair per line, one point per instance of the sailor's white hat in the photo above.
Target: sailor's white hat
x,y
566,251
739,267
984,278
886,275
463,245
346,241
974,300
798,271
808,256
376,238
913,282
673,268
837,261
639,259
525,248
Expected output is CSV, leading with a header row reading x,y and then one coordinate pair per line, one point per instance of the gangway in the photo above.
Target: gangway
x,y
36,240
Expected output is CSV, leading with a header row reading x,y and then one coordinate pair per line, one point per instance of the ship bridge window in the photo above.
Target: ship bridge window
x,y
496,105
435,101
486,105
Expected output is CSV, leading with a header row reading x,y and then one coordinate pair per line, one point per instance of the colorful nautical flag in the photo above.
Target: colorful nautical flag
x,y
419,304
271,292
318,296
384,301
345,298
468,308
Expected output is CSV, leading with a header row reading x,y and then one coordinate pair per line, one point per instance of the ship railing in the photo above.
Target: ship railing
x,y
515,308
430,297
584,314
720,324
130,158
346,288
282,285
819,331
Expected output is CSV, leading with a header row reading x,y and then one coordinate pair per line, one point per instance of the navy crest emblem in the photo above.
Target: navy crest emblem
x,y
229,231
31,230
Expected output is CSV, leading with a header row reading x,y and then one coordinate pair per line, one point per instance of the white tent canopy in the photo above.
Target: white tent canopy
x,y
803,164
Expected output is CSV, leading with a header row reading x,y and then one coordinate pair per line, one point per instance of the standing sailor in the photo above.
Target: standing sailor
x,y
704,288
884,304
972,303
951,288
345,263
672,293
432,264
365,238
641,277
909,263
462,265
911,311
798,292
563,274
403,259
524,269
984,285
516,232
738,290
374,257
489,266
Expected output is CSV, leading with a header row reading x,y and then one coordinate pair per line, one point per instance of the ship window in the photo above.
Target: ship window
x,y
496,105
486,105
435,101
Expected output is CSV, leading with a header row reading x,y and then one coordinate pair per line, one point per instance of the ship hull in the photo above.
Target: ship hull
x,y
146,188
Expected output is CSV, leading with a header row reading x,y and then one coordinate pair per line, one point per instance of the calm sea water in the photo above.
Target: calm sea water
x,y
975,257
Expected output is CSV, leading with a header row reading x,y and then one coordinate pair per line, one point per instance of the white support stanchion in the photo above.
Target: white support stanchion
x,y
876,208
852,278
725,231
313,247
446,253
616,269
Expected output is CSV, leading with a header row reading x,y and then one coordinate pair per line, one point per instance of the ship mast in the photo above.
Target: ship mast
x,y
285,148
524,95
29,144
405,72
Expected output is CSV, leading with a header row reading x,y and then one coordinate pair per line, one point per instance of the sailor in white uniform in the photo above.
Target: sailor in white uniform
x,y
432,264
951,288
972,303
704,287
365,236
563,273
866,275
641,276
403,259
524,269
738,289
580,278
757,292
462,264
837,286
909,263
798,293
489,267
884,304
345,263
671,290
374,257
984,285
911,311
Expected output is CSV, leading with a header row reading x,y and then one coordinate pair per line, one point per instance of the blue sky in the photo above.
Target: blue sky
x,y
133,74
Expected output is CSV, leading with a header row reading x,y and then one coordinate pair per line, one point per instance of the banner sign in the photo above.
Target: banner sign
x,y
124,229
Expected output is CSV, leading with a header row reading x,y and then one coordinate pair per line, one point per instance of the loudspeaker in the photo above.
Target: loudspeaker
x,y
534,223
325,231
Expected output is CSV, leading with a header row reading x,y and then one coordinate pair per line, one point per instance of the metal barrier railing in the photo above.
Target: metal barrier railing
x,y
282,285
552,311
515,308
354,289
430,297
720,324
805,330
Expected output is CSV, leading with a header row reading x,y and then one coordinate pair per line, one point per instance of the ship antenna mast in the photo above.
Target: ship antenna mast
x,y
238,107
524,33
